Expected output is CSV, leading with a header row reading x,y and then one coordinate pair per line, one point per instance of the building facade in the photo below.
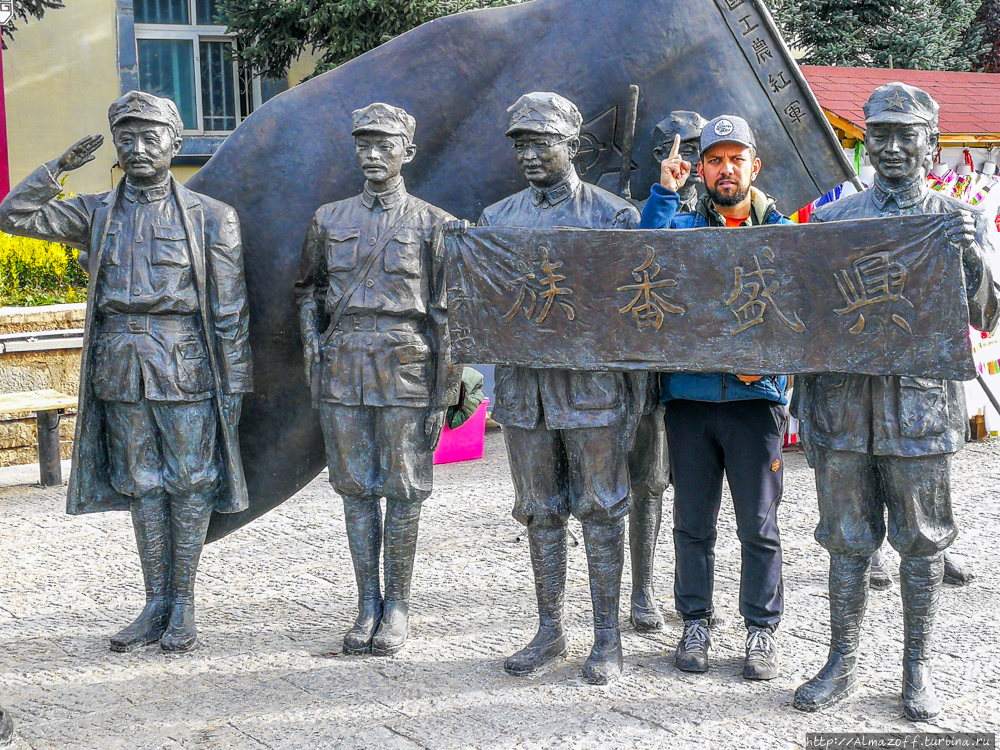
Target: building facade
x,y
62,72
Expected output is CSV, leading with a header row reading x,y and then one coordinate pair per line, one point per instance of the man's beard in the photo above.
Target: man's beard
x,y
727,201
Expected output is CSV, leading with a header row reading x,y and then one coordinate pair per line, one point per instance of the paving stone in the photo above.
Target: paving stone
x,y
275,598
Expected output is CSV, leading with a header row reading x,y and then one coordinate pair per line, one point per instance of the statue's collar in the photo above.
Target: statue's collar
x,y
556,194
151,194
905,197
387,200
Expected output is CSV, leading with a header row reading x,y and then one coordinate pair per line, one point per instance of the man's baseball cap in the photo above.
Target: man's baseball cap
x,y
138,105
727,129
383,118
545,113
903,104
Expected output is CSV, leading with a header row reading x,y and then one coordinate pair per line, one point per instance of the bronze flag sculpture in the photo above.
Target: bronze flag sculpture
x,y
457,76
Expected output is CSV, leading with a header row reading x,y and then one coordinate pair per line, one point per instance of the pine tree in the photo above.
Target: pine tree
x,y
271,34
22,10
988,24
915,34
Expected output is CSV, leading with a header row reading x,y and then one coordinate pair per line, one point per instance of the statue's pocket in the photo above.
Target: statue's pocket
x,y
111,252
831,404
595,390
169,246
413,370
923,407
402,254
342,249
194,374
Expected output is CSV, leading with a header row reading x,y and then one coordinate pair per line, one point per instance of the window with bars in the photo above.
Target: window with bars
x,y
182,51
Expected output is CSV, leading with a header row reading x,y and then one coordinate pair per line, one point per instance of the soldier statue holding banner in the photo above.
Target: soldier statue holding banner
x,y
376,356
885,443
166,353
567,432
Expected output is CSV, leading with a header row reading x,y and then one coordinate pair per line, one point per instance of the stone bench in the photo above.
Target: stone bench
x,y
48,406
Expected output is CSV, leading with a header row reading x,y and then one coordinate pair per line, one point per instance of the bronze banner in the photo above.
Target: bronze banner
x,y
872,296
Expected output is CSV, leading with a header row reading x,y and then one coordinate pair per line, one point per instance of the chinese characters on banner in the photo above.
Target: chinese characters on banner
x,y
883,297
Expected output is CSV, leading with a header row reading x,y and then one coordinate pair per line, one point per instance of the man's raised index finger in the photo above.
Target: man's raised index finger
x,y
677,146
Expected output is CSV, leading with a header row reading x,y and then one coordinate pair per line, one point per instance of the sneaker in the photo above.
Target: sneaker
x,y
692,651
761,662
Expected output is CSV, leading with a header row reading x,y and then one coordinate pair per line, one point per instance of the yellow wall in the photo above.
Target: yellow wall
x,y
60,75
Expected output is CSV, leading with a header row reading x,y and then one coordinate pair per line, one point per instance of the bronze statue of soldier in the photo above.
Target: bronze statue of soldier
x,y
371,299
166,354
648,461
885,443
688,126
567,432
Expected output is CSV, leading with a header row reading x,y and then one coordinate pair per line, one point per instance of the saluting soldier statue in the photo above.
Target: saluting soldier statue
x,y
376,354
567,432
166,354
648,461
885,443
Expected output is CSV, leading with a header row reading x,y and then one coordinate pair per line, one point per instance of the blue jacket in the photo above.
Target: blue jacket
x,y
660,212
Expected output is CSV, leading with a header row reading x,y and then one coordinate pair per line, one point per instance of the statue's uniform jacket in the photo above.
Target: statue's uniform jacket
x,y
390,348
587,413
878,440
896,416
167,319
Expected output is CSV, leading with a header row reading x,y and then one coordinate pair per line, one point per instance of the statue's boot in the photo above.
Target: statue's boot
x,y
548,564
605,544
920,582
189,517
881,577
402,519
151,521
955,573
848,598
643,530
6,728
364,537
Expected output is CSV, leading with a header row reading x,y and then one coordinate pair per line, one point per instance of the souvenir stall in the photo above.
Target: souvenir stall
x,y
965,168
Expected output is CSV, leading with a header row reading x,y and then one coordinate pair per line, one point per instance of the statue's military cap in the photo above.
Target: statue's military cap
x,y
688,124
545,112
900,103
138,105
384,118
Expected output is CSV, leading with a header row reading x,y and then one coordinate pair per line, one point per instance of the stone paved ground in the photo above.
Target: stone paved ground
x,y
275,599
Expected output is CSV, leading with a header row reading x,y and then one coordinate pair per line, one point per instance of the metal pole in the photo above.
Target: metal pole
x,y
49,463
989,393
628,143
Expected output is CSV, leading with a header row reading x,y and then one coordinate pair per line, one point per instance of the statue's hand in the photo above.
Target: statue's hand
x,y
232,406
80,153
313,356
458,226
433,425
960,229
674,171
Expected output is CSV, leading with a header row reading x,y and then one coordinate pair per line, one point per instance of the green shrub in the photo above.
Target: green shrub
x,y
33,272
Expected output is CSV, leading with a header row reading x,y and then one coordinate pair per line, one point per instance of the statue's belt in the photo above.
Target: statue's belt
x,y
147,323
377,323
